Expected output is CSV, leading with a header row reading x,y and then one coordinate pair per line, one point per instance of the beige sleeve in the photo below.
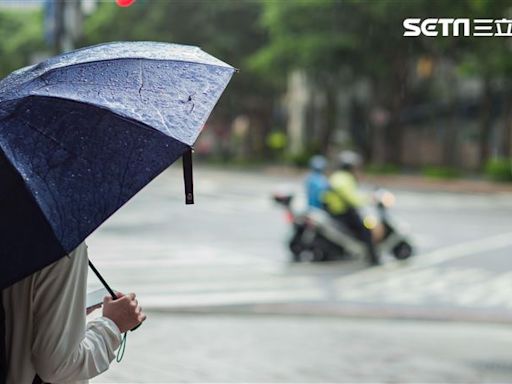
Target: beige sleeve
x,y
63,348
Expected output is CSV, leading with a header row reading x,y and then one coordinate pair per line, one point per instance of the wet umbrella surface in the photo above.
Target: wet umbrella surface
x,y
82,133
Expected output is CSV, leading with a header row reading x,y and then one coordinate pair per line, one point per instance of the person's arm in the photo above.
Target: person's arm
x,y
63,348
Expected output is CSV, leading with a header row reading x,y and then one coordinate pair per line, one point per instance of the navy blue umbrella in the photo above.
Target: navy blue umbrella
x,y
82,133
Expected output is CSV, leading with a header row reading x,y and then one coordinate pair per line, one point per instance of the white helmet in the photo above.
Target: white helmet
x,y
349,160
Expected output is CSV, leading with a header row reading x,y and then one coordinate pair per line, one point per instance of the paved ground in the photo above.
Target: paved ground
x,y
224,262
227,349
229,250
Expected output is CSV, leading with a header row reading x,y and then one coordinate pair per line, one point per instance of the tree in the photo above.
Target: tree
x,y
309,36
338,42
21,33
490,59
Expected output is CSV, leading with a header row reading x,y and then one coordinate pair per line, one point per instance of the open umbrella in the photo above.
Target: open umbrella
x,y
82,133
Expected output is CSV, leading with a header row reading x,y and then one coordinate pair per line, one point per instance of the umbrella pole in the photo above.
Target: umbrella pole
x,y
105,284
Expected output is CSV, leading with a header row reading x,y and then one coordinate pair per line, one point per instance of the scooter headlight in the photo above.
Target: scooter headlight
x,y
388,199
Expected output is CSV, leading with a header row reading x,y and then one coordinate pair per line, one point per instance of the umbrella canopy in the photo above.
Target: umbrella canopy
x,y
82,133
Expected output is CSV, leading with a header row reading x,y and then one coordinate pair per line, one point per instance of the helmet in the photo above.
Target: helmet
x,y
349,160
318,163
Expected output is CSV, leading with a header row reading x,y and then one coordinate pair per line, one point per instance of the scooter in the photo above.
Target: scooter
x,y
316,236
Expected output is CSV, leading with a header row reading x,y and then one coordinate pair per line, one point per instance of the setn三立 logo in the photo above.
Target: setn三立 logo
x,y
432,27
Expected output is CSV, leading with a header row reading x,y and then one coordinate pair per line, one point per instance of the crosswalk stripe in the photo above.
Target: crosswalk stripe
x,y
231,298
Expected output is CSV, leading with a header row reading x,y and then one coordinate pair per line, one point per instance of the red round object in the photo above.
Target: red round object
x,y
125,3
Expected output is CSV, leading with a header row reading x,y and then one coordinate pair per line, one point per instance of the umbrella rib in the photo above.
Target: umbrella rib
x,y
82,84
42,133
56,68
141,68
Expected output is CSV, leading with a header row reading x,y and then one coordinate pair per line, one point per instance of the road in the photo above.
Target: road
x,y
282,349
225,305
229,250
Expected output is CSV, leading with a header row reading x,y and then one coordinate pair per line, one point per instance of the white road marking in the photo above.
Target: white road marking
x,y
231,298
228,281
438,256
423,279
464,249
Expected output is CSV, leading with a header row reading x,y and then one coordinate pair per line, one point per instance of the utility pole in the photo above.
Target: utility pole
x,y
64,22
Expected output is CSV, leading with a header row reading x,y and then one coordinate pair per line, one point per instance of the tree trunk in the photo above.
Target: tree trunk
x,y
395,129
506,145
450,140
394,139
506,150
330,118
485,122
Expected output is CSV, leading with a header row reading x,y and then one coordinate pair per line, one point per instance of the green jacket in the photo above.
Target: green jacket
x,y
343,193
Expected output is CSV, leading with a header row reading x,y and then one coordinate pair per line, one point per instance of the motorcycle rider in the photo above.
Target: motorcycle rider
x,y
343,199
316,181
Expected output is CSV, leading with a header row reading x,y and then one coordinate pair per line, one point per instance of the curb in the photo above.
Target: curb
x,y
418,183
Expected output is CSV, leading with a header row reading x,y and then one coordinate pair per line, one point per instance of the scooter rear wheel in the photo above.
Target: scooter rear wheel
x,y
296,250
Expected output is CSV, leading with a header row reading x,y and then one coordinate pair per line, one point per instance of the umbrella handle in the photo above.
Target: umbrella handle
x,y
107,287
188,177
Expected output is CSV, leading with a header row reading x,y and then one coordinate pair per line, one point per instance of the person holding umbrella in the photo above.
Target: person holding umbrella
x,y
80,135
47,335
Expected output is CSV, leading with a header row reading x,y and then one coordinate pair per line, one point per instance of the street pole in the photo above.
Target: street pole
x,y
63,24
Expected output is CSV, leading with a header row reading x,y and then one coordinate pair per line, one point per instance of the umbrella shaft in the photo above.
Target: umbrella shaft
x,y
105,284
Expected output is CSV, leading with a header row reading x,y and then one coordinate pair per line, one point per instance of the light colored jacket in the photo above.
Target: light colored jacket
x,y
46,330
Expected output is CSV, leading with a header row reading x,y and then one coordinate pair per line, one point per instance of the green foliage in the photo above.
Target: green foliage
x,y
336,42
20,37
276,140
301,159
323,36
382,169
304,34
438,172
499,169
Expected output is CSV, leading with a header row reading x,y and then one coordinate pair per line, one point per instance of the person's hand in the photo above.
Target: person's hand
x,y
125,312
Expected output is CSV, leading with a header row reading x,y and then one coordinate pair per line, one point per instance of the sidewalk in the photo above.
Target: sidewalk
x,y
283,349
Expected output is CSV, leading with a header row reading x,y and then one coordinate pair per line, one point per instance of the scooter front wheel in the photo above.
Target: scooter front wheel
x,y
403,250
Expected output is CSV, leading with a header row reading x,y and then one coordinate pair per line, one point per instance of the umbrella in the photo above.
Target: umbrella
x,y
82,133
